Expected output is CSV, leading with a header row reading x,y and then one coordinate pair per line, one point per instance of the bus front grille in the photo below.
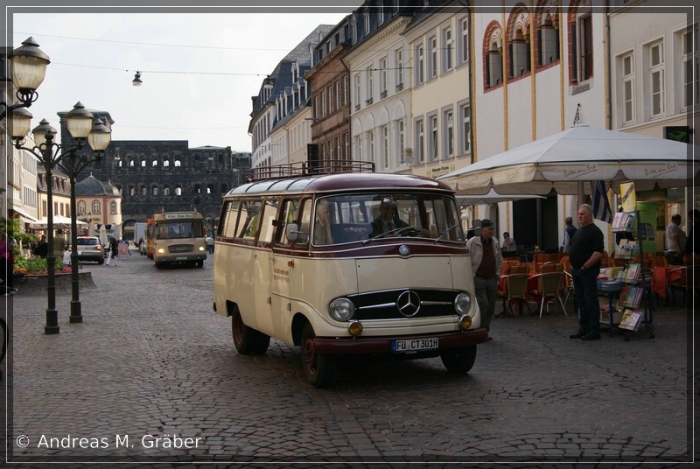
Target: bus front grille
x,y
176,248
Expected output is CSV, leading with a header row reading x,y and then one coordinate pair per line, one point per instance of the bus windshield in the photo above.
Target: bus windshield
x,y
179,229
362,217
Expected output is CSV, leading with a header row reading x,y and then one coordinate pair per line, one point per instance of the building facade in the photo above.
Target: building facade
x,y
97,203
282,94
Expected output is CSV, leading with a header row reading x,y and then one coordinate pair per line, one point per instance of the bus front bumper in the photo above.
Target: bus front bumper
x,y
376,345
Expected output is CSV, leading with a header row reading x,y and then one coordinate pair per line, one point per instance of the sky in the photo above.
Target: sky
x,y
199,69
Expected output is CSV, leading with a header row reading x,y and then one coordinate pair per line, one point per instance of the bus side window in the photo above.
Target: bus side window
x,y
229,217
267,227
304,224
287,215
248,227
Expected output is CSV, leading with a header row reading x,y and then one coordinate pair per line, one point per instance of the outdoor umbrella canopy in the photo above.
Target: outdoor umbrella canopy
x,y
58,222
564,161
492,197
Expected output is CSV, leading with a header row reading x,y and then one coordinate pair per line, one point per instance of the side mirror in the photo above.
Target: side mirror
x,y
292,231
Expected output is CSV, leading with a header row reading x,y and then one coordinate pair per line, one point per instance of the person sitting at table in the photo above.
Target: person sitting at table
x,y
509,246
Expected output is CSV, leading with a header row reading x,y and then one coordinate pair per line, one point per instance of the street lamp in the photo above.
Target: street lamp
x,y
82,128
28,70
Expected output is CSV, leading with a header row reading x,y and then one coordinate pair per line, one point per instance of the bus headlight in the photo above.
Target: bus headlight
x,y
201,248
462,303
341,309
161,251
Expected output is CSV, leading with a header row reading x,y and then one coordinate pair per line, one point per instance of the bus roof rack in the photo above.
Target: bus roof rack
x,y
305,168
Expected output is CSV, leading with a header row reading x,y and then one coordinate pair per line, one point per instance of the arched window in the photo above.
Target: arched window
x,y
547,34
580,42
492,56
155,163
132,191
178,191
197,189
143,190
166,163
210,188
518,43
95,206
166,190
131,163
119,163
154,190
177,163
81,207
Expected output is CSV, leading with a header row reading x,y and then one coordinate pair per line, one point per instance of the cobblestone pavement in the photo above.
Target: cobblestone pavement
x,y
152,360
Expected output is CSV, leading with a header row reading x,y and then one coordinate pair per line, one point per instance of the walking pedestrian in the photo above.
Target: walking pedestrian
x,y
210,244
42,249
114,251
486,265
585,253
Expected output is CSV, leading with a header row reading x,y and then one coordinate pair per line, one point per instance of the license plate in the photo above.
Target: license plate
x,y
412,345
181,258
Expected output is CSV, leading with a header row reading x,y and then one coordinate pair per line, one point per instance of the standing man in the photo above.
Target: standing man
x,y
675,241
486,264
569,232
59,244
585,253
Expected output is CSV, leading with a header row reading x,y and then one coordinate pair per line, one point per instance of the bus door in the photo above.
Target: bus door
x,y
288,260
245,260
265,264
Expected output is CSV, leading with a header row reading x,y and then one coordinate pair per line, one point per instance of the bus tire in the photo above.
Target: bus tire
x,y
247,340
459,360
200,264
319,368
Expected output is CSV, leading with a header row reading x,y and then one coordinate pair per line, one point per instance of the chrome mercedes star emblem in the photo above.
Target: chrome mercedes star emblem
x,y
408,303
404,250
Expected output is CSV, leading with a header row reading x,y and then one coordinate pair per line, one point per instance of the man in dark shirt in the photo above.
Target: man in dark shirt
x,y
585,253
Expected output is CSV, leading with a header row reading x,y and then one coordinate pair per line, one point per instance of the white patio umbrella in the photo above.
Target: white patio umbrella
x,y
492,197
58,222
564,161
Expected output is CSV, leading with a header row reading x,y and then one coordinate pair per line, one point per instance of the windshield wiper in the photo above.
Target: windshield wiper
x,y
445,232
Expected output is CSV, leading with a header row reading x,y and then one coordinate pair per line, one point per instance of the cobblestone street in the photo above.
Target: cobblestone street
x,y
152,360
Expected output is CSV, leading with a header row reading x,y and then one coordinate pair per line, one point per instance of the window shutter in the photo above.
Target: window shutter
x,y
574,53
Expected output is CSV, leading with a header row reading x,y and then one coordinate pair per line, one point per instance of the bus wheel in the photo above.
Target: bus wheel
x,y
319,368
459,360
200,263
247,340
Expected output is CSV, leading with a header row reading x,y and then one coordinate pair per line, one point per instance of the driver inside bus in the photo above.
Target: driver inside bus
x,y
322,226
388,219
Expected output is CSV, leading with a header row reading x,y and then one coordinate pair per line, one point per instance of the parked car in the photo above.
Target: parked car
x,y
90,249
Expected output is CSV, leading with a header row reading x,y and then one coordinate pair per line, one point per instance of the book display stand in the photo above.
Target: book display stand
x,y
636,282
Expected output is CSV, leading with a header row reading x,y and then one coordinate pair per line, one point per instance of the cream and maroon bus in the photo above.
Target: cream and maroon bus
x,y
354,285
178,238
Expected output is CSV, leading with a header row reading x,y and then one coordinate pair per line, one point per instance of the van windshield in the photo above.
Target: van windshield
x,y
357,217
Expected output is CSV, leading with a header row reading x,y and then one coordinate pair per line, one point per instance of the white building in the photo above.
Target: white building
x,y
535,71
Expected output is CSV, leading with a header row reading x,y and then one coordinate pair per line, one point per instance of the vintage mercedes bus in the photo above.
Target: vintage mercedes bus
x,y
179,238
346,263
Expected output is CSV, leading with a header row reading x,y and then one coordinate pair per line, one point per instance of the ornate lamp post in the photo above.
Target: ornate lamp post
x,y
28,69
81,127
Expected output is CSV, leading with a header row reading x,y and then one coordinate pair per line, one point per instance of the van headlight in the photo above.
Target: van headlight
x,y
462,303
342,309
